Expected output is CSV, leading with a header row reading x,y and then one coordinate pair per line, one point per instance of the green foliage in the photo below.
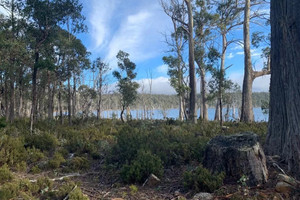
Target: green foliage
x,y
77,195
56,161
8,191
126,86
43,141
174,145
2,122
35,155
139,170
79,163
12,150
69,188
5,174
265,107
35,170
201,180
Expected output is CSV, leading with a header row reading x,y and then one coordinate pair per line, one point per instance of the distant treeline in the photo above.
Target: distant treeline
x,y
160,101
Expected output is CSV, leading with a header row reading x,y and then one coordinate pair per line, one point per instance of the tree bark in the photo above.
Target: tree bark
x,y
249,75
12,100
34,92
192,73
247,108
284,128
69,103
74,96
60,103
204,109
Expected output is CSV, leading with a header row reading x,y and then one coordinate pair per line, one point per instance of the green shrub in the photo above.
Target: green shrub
x,y
35,155
129,141
79,163
43,141
56,161
77,195
139,170
2,122
35,170
9,191
21,167
12,150
71,188
201,180
5,174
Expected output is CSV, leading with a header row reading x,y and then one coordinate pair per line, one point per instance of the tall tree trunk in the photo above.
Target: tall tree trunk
x,y
34,92
60,103
249,75
6,96
12,100
69,102
247,108
99,102
217,111
222,71
192,73
74,97
284,128
21,90
204,109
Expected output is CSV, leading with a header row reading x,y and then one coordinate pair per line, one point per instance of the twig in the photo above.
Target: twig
x,y
70,192
276,165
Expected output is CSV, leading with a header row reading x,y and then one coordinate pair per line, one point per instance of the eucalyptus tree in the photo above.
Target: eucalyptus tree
x,y
176,64
249,74
176,9
229,13
284,127
126,86
204,23
102,68
43,18
14,54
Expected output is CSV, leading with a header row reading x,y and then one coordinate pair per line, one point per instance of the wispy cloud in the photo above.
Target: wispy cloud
x,y
100,18
134,27
160,85
230,56
260,84
130,36
163,69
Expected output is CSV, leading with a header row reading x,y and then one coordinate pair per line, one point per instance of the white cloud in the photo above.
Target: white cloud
x,y
100,18
135,27
254,53
130,36
230,56
160,85
260,84
238,47
163,69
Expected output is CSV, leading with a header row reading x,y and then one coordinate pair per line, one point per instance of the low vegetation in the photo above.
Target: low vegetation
x,y
135,150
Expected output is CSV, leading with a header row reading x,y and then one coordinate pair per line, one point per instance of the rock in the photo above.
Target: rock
x,y
152,181
283,187
203,196
237,155
289,180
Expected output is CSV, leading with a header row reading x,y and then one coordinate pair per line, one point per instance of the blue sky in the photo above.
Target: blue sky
x,y
139,28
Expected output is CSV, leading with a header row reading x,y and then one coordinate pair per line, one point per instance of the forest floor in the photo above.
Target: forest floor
x,y
104,184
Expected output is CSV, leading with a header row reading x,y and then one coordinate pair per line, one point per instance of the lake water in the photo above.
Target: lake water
x,y
173,113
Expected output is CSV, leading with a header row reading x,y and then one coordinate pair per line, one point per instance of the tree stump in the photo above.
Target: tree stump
x,y
238,156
